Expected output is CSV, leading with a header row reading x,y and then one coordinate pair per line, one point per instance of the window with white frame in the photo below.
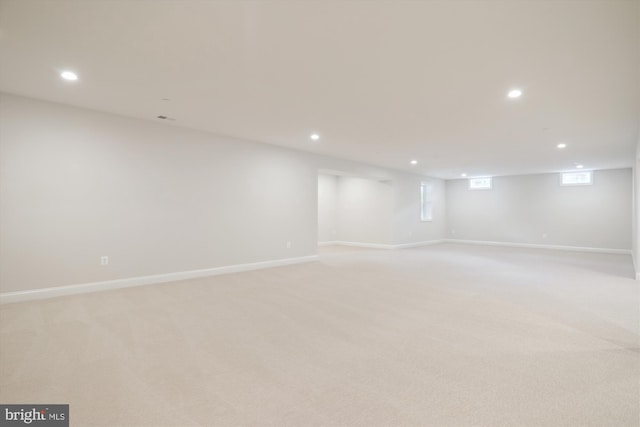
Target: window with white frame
x,y
480,183
577,178
426,201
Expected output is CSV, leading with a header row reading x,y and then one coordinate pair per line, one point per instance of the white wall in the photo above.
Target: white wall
x,y
407,226
77,184
361,210
327,208
522,209
636,210
634,217
365,210
636,200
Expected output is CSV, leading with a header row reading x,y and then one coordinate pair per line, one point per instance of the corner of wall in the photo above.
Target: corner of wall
x,y
636,209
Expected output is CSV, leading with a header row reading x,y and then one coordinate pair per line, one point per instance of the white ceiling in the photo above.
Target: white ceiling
x,y
382,82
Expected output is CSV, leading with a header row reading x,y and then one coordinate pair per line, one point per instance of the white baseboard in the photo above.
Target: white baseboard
x,y
537,246
417,244
35,294
329,243
380,245
365,245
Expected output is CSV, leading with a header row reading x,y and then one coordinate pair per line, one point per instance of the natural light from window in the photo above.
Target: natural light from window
x,y
480,183
426,201
577,178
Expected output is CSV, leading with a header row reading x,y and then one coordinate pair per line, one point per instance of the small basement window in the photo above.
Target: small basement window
x,y
577,178
426,201
480,183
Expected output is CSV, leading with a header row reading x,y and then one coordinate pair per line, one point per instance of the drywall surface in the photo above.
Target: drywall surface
x,y
77,185
327,208
635,225
380,211
536,209
365,210
407,226
634,218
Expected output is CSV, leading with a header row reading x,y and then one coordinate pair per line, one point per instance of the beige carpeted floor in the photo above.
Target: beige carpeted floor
x,y
447,335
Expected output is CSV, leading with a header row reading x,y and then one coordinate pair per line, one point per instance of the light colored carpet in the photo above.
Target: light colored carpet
x,y
447,335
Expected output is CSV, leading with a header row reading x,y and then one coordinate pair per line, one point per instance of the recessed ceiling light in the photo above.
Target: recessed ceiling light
x,y
414,162
464,175
561,145
69,75
315,136
514,93
579,166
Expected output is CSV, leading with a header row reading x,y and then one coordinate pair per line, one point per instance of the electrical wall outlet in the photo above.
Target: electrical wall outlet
x,y
104,260
288,245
